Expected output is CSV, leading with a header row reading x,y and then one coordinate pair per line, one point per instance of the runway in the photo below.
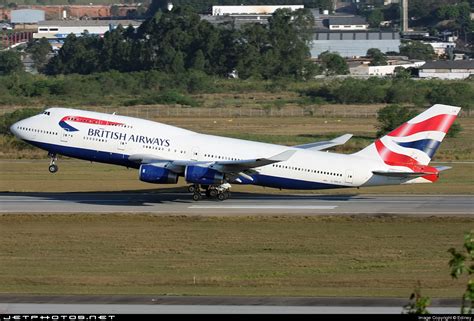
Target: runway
x,y
95,304
239,204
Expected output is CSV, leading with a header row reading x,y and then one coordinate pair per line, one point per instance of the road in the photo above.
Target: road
x,y
239,204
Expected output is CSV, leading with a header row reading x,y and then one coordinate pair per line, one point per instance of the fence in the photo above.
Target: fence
x,y
165,111
228,112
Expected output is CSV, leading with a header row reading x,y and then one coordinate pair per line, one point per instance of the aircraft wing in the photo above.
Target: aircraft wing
x,y
236,166
326,144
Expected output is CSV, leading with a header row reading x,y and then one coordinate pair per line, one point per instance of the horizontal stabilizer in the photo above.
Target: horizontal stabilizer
x,y
326,144
442,168
403,174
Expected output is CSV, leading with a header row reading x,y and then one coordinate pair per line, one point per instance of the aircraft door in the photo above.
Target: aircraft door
x,y
195,154
65,136
121,145
349,176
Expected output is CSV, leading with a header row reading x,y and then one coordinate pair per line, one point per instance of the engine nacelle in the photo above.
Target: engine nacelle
x,y
203,175
157,175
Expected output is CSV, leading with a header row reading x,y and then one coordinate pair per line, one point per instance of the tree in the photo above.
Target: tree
x,y
377,57
463,263
10,62
199,61
114,10
333,63
375,18
418,304
402,73
392,116
157,5
39,51
417,50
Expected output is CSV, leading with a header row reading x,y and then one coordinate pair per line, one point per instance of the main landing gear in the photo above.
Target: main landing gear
x,y
220,192
53,168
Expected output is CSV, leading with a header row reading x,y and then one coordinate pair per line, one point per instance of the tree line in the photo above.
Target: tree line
x,y
177,41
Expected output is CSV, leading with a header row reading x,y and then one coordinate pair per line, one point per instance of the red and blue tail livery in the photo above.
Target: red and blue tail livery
x,y
210,164
411,146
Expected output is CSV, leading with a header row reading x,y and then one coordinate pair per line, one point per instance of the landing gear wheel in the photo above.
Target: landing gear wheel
x,y
221,196
196,197
53,168
193,188
226,194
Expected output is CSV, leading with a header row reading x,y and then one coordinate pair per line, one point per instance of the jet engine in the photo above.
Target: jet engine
x,y
157,175
203,175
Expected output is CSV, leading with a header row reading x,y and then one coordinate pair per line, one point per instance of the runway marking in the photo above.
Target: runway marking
x,y
264,207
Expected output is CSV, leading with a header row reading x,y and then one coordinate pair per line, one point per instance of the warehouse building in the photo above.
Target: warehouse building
x,y
364,68
250,10
447,69
26,18
354,44
60,29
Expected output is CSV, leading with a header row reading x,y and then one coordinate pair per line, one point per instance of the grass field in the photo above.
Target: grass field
x,y
83,176
279,256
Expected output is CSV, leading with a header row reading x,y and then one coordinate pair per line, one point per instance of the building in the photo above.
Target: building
x,y
60,29
441,48
250,10
354,44
363,69
241,15
447,69
347,23
26,18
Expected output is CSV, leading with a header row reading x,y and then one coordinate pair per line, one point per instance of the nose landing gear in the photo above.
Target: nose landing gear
x,y
220,192
53,168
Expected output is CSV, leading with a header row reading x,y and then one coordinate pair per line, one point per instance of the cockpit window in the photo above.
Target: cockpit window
x,y
46,113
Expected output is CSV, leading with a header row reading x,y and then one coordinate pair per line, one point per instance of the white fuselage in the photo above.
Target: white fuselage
x,y
113,138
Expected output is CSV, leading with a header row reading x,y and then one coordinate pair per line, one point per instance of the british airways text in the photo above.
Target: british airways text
x,y
132,138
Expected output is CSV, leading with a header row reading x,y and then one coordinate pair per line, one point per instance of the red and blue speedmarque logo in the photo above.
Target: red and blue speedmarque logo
x,y
85,120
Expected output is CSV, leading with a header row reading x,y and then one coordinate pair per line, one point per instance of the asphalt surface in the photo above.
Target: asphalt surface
x,y
81,309
238,204
210,304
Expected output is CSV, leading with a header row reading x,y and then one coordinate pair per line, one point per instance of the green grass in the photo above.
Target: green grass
x,y
83,176
284,256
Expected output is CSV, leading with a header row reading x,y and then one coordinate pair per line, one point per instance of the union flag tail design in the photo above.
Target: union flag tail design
x,y
413,144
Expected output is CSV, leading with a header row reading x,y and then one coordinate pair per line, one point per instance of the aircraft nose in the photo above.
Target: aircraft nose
x,y
14,129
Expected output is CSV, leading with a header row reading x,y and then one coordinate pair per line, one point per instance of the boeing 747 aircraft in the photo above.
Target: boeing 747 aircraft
x,y
163,153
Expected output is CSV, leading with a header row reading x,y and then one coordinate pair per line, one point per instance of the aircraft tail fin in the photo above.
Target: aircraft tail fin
x,y
414,143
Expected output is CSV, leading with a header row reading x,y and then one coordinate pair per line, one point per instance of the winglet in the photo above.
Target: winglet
x,y
286,155
342,139
326,144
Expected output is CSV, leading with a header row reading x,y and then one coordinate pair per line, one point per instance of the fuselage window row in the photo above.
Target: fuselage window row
x,y
307,170
37,130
